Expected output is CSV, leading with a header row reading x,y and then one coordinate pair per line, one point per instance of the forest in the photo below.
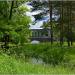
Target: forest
x,y
37,37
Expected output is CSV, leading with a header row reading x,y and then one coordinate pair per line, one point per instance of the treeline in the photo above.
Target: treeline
x,y
64,26
14,24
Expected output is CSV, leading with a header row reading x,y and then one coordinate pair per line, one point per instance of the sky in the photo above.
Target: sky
x,y
37,23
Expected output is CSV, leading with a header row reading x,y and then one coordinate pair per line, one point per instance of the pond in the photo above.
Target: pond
x,y
36,61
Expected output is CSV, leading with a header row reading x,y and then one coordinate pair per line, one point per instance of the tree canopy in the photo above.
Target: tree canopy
x,y
14,22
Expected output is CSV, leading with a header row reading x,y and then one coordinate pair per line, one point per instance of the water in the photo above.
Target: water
x,y
36,61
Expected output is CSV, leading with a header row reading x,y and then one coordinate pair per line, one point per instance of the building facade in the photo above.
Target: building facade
x,y
41,35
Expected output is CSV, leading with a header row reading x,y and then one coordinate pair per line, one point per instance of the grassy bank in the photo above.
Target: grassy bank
x,y
10,65
58,60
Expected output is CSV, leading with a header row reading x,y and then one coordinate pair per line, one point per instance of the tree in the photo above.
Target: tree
x,y
50,9
61,25
14,21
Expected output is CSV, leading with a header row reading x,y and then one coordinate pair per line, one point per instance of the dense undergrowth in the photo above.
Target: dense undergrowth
x,y
56,59
11,65
49,54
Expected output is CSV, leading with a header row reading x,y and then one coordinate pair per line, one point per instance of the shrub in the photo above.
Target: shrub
x,y
54,55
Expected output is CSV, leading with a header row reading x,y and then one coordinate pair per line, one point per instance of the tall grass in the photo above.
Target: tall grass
x,y
11,65
58,60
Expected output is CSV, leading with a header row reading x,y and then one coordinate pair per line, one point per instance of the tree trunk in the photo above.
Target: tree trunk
x,y
50,9
71,35
12,4
61,25
68,18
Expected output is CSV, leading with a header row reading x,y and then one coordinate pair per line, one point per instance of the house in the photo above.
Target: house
x,y
41,35
39,17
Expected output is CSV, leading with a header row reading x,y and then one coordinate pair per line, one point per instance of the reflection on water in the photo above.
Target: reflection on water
x,y
36,61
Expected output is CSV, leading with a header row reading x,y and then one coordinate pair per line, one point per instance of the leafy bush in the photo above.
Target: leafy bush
x,y
15,38
54,55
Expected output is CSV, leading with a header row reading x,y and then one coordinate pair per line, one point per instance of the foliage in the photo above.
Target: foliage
x,y
50,54
18,25
11,65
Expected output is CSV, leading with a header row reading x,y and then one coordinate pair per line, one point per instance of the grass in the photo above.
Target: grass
x,y
17,64
11,65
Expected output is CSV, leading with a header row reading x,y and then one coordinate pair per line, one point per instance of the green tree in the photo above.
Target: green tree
x,y
14,22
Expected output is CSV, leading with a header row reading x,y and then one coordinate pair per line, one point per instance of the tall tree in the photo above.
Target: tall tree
x,y
71,35
69,22
61,24
50,9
